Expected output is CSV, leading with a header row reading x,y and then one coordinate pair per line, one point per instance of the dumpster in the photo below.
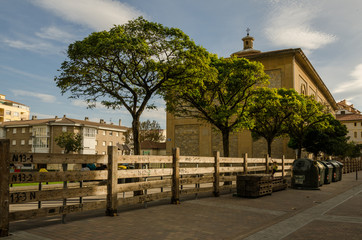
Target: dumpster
x,y
321,175
340,169
328,172
305,174
336,172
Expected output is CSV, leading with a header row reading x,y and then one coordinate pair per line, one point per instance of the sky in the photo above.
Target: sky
x,y
35,34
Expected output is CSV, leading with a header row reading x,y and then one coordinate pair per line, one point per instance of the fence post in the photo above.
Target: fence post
x,y
283,166
112,181
4,187
246,163
175,176
267,164
217,174
65,186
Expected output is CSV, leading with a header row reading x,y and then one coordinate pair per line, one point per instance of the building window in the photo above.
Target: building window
x,y
30,142
22,130
110,143
64,129
14,142
104,153
14,130
16,114
117,134
110,133
343,112
22,142
104,133
104,143
8,112
96,143
355,134
355,124
89,132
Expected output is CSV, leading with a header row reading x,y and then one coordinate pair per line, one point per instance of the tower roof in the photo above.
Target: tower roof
x,y
248,43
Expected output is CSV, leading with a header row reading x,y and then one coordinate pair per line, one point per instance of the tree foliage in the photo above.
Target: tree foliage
x,y
71,142
151,131
271,111
221,99
331,140
127,65
309,114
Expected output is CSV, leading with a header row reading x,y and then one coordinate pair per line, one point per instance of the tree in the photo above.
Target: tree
x,y
331,140
127,65
71,142
222,100
151,131
271,109
308,114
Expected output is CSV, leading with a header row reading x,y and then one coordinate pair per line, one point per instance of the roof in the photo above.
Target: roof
x,y
9,101
61,121
342,105
153,145
302,60
349,117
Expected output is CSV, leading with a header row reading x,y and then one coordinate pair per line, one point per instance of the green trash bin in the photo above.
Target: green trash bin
x,y
336,172
305,174
322,170
328,172
340,170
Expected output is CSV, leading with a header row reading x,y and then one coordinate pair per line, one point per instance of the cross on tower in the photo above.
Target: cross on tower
x,y
247,31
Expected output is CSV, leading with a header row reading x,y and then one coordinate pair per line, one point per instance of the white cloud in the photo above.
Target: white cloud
x,y
158,114
54,33
43,97
355,85
26,74
96,14
290,25
34,46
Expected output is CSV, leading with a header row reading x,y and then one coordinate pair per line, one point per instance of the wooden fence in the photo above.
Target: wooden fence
x,y
351,164
162,177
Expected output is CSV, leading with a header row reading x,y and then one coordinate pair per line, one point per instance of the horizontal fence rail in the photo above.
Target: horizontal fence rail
x,y
158,177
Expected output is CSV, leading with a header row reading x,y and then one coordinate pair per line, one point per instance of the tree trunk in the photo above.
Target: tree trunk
x,y
136,149
225,144
299,150
136,136
269,142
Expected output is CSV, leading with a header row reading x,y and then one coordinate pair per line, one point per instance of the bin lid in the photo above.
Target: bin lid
x,y
320,165
327,164
334,164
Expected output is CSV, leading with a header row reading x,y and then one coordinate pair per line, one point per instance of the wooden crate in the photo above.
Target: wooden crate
x,y
279,184
255,185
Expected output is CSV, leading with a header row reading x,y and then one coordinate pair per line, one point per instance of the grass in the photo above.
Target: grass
x,y
33,184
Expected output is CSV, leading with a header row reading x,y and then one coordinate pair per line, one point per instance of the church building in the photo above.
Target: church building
x,y
287,68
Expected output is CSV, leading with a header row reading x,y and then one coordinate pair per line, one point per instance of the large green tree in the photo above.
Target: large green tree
x,y
127,65
71,142
221,101
331,140
270,111
308,114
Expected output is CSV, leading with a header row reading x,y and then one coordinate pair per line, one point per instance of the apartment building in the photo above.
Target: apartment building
x,y
38,135
12,111
352,119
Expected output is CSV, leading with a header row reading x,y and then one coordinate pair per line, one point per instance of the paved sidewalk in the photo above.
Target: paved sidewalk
x,y
333,212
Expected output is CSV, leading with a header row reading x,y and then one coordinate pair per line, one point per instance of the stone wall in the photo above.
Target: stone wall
x,y
187,139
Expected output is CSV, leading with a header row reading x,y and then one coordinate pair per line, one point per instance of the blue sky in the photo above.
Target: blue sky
x,y
34,35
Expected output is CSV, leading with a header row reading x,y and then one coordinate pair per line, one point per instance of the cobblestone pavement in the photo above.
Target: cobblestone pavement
x,y
333,212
